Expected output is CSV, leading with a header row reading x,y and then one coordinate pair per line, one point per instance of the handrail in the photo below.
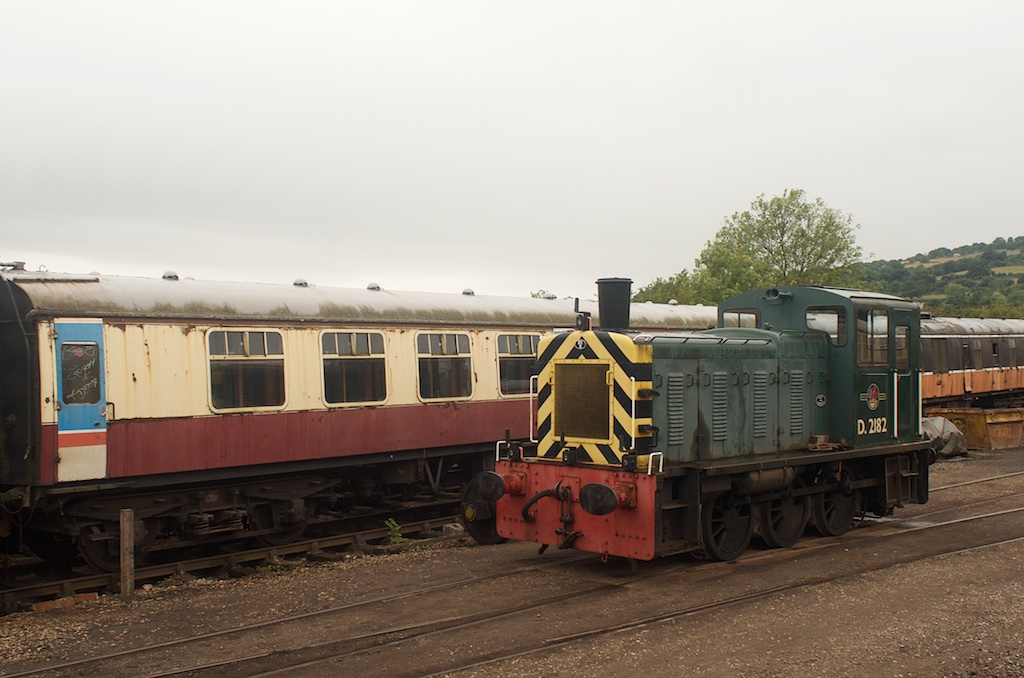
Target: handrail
x,y
533,382
632,428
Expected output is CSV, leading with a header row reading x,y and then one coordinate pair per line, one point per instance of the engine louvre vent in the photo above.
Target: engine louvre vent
x,y
760,428
796,402
676,409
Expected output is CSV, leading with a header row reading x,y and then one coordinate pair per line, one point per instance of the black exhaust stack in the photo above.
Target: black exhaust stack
x,y
613,303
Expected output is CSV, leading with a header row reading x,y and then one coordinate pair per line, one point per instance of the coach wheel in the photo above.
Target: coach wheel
x,y
100,547
782,521
726,527
284,532
833,511
50,547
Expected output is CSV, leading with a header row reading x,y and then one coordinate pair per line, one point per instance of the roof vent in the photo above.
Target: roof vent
x,y
673,302
468,292
13,265
549,295
170,275
300,282
374,287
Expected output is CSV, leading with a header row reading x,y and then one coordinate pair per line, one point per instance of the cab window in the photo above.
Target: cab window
x,y
739,318
830,320
872,337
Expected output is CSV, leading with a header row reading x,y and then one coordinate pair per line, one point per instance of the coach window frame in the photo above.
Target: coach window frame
x,y
434,350
940,353
80,379
370,355
514,357
247,355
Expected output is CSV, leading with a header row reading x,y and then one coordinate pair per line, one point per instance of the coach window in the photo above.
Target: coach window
x,y
445,367
929,355
739,319
80,373
353,367
246,369
516,355
830,320
872,337
941,355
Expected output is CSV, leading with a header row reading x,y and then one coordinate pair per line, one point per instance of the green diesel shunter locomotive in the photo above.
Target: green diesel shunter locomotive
x,y
802,406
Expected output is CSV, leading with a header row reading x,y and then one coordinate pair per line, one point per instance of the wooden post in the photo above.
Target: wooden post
x,y
127,554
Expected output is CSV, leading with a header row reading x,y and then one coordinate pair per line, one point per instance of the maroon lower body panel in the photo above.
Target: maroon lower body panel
x,y
557,518
144,447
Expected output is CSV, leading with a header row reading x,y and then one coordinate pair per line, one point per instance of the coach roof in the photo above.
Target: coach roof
x,y
61,294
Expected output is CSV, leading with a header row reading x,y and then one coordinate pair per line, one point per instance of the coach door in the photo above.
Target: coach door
x,y
81,401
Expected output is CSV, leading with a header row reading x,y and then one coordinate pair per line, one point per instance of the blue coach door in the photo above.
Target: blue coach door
x,y
81,401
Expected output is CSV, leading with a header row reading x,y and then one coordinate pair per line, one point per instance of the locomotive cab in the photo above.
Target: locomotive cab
x,y
873,390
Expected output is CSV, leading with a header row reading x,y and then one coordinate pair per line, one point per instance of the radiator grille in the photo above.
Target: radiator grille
x,y
582,401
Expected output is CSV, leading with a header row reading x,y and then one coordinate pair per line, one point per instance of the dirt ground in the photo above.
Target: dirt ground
x,y
957,615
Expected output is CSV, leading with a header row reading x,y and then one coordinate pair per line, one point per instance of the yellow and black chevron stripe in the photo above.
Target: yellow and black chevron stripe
x,y
586,396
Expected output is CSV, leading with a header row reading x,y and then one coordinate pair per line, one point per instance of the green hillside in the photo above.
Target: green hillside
x,y
983,279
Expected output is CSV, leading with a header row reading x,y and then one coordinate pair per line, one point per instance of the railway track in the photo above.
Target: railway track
x,y
323,546
428,616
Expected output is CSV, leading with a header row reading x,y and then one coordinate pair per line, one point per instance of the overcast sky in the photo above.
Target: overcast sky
x,y
504,146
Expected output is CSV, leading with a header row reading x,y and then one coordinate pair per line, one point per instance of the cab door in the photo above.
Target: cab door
x,y
873,381
905,342
81,401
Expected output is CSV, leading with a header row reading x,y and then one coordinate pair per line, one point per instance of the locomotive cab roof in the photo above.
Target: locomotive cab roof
x,y
787,307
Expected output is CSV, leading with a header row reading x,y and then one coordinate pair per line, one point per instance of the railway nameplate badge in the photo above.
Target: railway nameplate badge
x,y
871,396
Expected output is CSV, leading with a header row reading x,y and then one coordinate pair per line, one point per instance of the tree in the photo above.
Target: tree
x,y
784,240
664,290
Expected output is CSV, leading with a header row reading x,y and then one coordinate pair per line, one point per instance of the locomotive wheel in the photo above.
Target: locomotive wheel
x,y
781,522
833,512
726,527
